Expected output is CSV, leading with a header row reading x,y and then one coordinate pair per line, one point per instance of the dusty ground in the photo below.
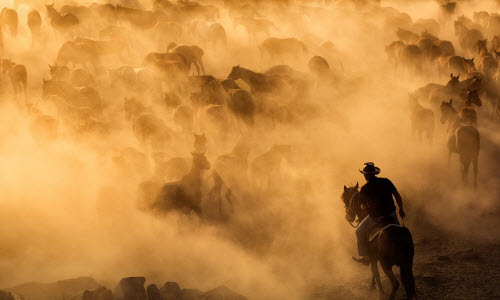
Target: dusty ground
x,y
447,264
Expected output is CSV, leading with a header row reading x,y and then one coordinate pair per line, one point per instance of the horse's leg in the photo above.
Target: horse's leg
x,y
372,285
197,66
394,281
376,275
474,168
200,62
466,165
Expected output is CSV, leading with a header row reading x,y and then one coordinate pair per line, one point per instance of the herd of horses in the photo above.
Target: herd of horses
x,y
130,69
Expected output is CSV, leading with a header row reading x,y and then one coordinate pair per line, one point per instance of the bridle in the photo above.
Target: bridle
x,y
350,210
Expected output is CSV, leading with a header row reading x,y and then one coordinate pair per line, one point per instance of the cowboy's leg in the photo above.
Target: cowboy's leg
x,y
362,235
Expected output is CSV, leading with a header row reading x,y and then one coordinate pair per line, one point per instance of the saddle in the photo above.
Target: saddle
x,y
378,231
381,226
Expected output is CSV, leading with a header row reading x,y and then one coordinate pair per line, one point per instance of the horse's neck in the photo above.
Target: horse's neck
x,y
470,100
470,69
483,52
451,86
193,176
53,13
454,121
250,76
453,114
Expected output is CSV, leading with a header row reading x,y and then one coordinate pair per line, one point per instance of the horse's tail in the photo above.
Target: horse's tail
x,y
397,246
406,272
406,252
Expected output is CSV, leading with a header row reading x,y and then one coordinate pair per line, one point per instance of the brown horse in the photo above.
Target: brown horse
x,y
463,139
390,245
184,195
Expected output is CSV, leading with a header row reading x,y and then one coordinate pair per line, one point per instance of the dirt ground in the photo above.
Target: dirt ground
x,y
447,264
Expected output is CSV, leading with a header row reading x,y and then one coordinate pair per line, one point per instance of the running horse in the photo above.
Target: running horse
x,y
390,245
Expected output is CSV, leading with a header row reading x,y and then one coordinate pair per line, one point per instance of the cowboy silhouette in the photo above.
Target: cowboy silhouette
x,y
376,197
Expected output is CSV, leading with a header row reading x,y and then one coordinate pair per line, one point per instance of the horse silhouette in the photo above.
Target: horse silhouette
x,y
185,195
463,139
390,245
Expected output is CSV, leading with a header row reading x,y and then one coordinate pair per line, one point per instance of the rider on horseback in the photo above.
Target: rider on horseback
x,y
376,197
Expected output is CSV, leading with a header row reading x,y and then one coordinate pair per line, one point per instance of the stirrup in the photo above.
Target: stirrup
x,y
362,260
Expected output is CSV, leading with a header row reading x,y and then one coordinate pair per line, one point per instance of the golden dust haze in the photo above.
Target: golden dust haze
x,y
69,208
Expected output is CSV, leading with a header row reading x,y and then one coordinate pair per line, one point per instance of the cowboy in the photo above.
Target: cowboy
x,y
376,197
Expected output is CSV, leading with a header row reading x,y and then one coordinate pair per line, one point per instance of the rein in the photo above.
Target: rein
x,y
353,225
351,210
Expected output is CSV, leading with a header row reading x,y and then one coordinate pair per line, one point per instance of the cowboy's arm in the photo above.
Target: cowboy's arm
x,y
399,200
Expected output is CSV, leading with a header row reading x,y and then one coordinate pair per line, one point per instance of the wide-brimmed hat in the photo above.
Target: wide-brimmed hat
x,y
370,169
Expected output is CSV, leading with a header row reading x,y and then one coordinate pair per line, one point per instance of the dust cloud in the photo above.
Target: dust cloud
x,y
69,201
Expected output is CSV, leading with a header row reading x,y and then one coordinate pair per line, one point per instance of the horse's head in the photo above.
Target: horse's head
x,y
497,53
468,115
200,142
50,8
200,161
347,195
481,46
470,63
454,81
447,111
6,64
48,87
473,98
235,73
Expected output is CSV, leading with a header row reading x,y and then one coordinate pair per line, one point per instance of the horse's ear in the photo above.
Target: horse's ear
x,y
451,100
357,185
458,77
345,188
451,75
51,67
472,59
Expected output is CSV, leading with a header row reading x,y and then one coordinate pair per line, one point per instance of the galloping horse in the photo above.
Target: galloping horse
x,y
390,245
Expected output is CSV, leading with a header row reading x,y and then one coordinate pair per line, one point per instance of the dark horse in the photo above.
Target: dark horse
x,y
184,195
390,245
